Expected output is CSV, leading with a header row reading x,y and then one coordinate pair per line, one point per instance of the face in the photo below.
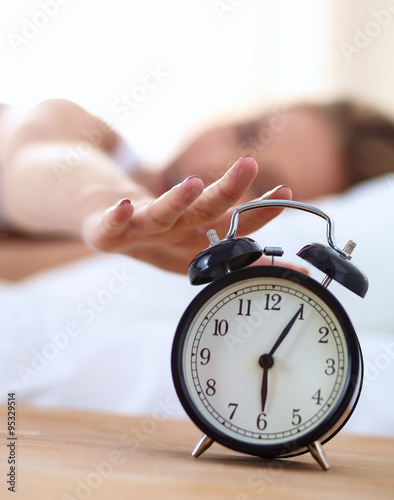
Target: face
x,y
297,147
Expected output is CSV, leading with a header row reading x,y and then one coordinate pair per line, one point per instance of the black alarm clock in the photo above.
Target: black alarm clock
x,y
265,360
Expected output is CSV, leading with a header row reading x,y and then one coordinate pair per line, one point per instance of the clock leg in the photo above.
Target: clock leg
x,y
317,452
203,444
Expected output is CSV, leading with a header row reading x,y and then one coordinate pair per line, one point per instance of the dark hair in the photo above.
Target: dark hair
x,y
366,137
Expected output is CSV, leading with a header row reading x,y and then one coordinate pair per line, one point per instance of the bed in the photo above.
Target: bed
x,y
95,331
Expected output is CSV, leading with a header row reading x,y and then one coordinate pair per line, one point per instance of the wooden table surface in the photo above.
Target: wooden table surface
x,y
70,454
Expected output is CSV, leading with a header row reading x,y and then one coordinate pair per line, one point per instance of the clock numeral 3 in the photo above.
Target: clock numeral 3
x,y
330,370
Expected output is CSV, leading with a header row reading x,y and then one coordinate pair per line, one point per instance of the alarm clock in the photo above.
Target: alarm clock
x,y
265,360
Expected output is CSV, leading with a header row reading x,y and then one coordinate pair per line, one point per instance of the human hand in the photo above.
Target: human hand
x,y
170,230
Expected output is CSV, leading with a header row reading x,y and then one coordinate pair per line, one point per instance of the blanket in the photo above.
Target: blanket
x,y
97,333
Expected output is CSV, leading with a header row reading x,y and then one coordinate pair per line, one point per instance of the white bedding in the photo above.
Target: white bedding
x,y
98,333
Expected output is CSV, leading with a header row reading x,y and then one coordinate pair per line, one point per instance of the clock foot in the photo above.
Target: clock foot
x,y
203,444
317,452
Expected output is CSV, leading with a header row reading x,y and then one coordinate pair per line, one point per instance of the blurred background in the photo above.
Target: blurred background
x,y
158,71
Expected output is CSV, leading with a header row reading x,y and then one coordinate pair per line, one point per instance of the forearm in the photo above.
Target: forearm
x,y
45,191
167,231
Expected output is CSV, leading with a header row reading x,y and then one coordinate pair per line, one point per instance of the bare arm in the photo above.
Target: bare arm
x,y
167,231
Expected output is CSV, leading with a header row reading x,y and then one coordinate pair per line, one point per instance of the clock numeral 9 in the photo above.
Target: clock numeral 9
x,y
205,356
210,390
221,327
261,421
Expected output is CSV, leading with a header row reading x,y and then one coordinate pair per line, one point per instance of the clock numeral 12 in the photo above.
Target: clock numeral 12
x,y
275,299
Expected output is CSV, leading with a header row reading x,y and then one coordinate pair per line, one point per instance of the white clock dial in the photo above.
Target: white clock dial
x,y
265,361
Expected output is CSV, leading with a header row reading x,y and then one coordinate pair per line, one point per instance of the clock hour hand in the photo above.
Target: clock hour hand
x,y
286,330
266,361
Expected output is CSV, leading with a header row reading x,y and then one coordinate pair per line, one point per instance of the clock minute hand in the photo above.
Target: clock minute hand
x,y
266,361
286,330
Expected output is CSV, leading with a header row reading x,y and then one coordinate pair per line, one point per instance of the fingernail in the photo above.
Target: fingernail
x,y
124,202
239,159
277,188
190,177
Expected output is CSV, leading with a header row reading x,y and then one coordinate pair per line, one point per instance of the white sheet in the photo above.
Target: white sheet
x,y
98,333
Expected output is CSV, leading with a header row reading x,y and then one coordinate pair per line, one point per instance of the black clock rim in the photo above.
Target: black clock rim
x,y
344,407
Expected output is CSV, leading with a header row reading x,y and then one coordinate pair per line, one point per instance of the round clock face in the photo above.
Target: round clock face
x,y
266,361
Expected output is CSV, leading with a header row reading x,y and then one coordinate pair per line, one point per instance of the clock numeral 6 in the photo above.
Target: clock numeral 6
x,y
261,421
210,390
221,327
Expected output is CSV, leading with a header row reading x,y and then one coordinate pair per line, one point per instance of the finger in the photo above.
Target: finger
x,y
116,218
223,194
254,219
166,210
106,232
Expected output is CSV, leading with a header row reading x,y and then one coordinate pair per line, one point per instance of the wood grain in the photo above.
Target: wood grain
x,y
69,454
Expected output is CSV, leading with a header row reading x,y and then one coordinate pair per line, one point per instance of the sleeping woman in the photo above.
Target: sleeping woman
x,y
65,172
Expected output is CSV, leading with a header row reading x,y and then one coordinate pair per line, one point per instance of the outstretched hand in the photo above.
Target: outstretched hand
x,y
171,230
